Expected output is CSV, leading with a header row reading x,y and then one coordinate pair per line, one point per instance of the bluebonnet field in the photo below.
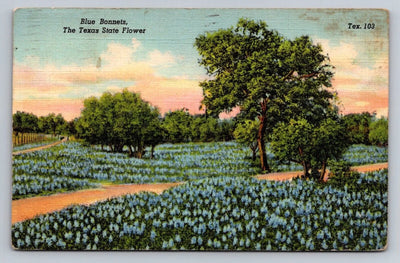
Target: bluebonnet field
x,y
221,207
71,166
223,213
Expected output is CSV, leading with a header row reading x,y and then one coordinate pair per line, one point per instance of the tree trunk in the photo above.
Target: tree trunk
x,y
260,136
130,150
323,170
304,163
254,154
152,152
305,168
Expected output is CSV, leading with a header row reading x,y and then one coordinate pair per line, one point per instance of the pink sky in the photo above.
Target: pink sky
x,y
42,89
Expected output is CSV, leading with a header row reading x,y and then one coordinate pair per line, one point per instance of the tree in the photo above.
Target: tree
x,y
177,125
226,129
25,122
119,120
310,145
208,129
246,133
254,68
357,126
378,134
71,127
155,133
52,124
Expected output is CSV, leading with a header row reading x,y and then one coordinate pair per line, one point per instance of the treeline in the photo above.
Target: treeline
x,y
53,124
365,128
123,121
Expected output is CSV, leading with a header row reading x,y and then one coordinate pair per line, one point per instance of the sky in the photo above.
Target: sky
x,y
55,71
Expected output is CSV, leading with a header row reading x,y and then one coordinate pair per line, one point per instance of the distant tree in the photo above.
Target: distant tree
x,y
310,145
357,126
197,122
226,129
52,124
209,129
71,127
260,72
155,133
25,123
246,133
177,125
379,134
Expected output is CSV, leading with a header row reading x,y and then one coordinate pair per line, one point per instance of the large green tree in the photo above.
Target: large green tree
x,y
261,72
118,120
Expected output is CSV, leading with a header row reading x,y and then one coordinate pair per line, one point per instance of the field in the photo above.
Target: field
x,y
221,207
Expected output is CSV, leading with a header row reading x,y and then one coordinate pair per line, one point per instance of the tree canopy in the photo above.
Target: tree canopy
x,y
265,75
246,133
118,120
24,122
379,132
310,145
357,125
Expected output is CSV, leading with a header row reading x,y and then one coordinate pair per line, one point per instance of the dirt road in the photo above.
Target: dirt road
x,y
283,176
39,148
28,208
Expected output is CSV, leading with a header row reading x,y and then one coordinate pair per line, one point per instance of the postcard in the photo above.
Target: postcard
x,y
200,129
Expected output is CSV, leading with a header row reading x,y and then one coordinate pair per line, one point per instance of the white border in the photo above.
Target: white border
x,y
392,254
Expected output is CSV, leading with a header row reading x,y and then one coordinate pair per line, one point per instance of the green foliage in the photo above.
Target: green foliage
x,y
310,145
267,76
177,125
339,168
246,133
52,124
119,120
357,126
25,122
180,127
378,134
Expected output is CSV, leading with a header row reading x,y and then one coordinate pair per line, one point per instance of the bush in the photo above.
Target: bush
x,y
339,168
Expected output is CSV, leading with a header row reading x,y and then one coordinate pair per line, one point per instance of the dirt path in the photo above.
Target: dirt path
x,y
283,176
40,147
28,208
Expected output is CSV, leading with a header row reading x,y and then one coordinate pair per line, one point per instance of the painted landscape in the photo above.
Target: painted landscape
x,y
200,129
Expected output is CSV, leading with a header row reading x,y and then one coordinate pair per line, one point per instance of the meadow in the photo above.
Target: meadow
x,y
223,213
220,207
71,166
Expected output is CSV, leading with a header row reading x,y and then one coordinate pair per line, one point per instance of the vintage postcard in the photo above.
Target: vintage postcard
x,y
200,129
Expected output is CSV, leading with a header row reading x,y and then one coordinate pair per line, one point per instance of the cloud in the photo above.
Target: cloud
x,y
116,68
361,81
159,59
